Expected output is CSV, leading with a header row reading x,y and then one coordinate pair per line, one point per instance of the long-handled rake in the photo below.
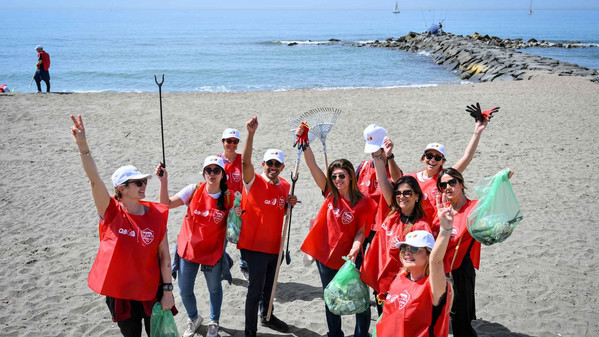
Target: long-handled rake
x,y
321,121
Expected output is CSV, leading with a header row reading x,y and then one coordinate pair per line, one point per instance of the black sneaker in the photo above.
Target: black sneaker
x,y
249,333
275,324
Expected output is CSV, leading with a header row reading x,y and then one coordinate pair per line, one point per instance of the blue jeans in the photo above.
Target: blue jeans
x,y
334,321
187,275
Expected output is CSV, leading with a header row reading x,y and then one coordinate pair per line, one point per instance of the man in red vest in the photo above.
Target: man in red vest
x,y
264,203
43,64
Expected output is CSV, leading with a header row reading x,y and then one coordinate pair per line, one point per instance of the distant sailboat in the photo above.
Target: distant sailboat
x,y
530,10
396,10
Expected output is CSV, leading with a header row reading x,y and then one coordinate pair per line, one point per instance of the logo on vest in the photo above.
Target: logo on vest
x,y
281,202
400,300
202,213
124,231
218,216
147,236
236,177
271,202
346,218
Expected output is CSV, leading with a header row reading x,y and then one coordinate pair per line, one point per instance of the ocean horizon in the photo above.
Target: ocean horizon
x,y
248,50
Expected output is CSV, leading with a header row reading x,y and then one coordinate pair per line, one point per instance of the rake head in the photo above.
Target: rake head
x,y
320,120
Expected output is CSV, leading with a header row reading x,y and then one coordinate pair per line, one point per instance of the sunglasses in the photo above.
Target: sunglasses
x,y
139,182
406,193
430,156
451,183
274,163
412,249
338,176
232,141
217,170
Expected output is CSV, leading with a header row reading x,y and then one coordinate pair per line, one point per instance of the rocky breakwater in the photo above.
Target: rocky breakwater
x,y
484,58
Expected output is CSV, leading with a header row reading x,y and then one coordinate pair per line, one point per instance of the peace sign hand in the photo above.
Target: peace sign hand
x,y
78,131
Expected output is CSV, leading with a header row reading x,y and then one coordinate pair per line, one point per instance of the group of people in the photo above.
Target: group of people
x,y
407,233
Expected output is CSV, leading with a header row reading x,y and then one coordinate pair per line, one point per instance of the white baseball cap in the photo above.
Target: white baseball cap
x,y
231,133
275,154
418,239
39,46
374,136
436,147
128,172
213,160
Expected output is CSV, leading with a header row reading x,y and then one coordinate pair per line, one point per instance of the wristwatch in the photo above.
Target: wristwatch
x,y
167,286
391,156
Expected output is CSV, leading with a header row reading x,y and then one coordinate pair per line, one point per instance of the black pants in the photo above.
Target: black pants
x,y
40,75
132,327
463,310
261,267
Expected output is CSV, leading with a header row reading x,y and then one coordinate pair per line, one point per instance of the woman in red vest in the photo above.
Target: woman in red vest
x,y
339,229
132,267
234,171
201,241
404,199
418,301
433,159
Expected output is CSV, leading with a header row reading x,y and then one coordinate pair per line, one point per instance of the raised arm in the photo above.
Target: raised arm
x,y
437,277
99,191
381,176
463,163
317,174
172,202
394,169
246,157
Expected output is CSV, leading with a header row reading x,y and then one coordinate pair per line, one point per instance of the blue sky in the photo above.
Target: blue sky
x,y
302,4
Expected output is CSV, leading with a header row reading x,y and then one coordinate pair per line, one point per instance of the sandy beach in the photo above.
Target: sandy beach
x,y
542,281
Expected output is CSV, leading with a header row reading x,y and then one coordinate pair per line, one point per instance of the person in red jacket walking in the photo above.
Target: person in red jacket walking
x,y
43,65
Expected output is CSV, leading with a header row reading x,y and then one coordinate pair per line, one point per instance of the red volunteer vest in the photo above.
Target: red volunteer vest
x,y
408,310
45,60
381,262
234,178
335,227
127,266
262,222
429,200
460,229
369,186
202,236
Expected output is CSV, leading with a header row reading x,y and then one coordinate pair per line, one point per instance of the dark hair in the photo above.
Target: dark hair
x,y
413,183
454,174
222,201
354,192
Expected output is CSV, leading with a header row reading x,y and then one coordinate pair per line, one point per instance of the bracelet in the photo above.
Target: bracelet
x,y
446,231
88,152
391,156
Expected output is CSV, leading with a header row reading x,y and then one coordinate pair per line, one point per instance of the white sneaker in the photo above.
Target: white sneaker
x,y
245,272
193,326
212,329
308,260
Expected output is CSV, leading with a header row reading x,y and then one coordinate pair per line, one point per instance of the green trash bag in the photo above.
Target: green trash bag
x,y
346,294
497,212
234,221
162,322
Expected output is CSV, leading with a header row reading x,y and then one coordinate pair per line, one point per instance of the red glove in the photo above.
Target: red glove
x,y
479,115
302,142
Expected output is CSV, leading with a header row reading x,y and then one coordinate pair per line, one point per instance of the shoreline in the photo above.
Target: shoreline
x,y
50,231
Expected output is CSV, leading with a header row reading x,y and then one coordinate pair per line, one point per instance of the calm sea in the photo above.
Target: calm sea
x,y
121,50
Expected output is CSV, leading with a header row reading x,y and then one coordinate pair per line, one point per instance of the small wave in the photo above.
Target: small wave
x,y
424,52
306,42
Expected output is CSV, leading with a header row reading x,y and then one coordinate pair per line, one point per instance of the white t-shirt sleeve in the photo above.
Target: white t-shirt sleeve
x,y
186,192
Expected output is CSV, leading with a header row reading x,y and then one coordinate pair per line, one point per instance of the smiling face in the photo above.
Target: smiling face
x,y
271,170
230,145
413,261
341,179
433,161
133,189
406,198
